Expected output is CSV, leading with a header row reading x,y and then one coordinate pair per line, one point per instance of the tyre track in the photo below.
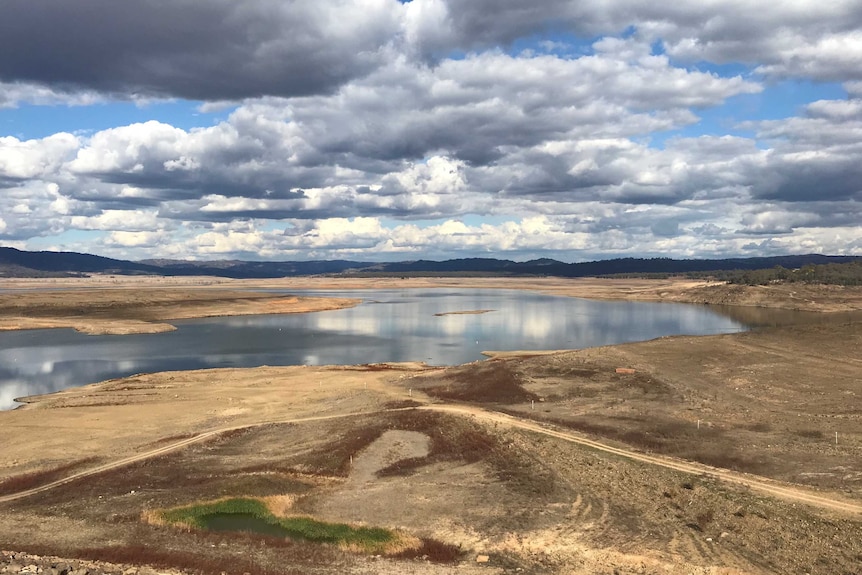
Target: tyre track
x,y
759,484
175,447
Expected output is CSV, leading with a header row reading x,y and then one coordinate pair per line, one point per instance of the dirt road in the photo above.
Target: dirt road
x,y
772,488
167,449
767,487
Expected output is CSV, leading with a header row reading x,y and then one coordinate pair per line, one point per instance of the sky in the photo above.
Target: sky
x,y
379,130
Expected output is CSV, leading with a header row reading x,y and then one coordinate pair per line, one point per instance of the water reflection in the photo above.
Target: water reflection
x,y
393,325
769,317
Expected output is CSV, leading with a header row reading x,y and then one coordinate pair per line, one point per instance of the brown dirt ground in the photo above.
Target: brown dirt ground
x,y
768,402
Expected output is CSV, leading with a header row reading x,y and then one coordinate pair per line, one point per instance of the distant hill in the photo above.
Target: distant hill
x,y
17,263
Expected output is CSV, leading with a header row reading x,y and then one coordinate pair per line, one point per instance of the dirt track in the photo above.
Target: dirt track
x,y
758,484
158,452
788,492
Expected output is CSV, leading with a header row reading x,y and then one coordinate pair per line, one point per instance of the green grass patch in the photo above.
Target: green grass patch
x,y
247,514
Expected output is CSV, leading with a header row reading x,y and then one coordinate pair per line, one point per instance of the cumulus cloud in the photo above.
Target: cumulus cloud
x,y
802,39
32,159
213,50
223,50
815,156
372,128
13,94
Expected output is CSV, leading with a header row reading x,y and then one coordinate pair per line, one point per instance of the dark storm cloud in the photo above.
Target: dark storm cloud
x,y
807,38
201,50
167,185
6,182
815,157
803,181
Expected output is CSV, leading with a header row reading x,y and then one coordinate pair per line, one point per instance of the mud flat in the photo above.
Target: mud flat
x,y
95,309
712,455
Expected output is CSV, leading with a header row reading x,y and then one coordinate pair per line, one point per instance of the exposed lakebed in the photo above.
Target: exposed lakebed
x,y
390,325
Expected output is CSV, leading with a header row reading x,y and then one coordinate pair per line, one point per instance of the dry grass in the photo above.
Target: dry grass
x,y
279,505
682,439
333,459
199,563
401,404
25,481
810,433
456,439
173,438
434,551
492,381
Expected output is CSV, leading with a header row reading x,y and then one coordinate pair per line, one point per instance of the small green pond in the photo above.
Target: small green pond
x,y
245,514
245,522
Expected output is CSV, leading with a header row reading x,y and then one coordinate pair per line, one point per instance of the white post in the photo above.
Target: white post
x,y
532,404
410,392
698,424
836,438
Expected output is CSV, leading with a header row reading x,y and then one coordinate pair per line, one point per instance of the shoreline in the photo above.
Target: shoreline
x,y
797,296
130,310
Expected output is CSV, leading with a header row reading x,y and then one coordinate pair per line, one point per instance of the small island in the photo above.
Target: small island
x,y
465,312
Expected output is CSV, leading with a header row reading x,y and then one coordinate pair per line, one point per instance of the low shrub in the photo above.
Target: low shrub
x,y
434,551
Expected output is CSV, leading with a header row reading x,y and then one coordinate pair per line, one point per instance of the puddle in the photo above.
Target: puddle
x,y
245,522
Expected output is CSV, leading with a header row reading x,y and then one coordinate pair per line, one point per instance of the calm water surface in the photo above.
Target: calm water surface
x,y
391,325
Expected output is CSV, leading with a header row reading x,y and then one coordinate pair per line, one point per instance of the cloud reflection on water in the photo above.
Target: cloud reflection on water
x,y
399,326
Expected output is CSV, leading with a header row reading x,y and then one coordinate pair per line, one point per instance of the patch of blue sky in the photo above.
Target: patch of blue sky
x,y
778,100
476,220
470,220
390,224
38,121
726,70
554,42
70,240
272,226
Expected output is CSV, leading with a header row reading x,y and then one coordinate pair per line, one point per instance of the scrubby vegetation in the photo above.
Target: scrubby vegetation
x,y
848,274
486,382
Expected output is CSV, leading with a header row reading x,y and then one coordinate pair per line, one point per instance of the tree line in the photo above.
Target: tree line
x,y
846,274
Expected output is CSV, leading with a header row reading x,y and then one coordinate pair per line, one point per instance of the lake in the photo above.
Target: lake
x,y
390,325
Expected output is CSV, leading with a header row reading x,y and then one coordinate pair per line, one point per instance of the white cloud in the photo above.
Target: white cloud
x,y
135,239
355,132
120,220
33,159
15,94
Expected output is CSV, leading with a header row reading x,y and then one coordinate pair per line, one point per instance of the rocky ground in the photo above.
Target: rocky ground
x,y
13,563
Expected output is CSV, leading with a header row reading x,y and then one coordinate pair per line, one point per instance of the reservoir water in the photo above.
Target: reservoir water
x,y
390,325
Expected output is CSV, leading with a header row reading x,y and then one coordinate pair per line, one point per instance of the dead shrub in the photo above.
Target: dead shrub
x,y
705,518
434,551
